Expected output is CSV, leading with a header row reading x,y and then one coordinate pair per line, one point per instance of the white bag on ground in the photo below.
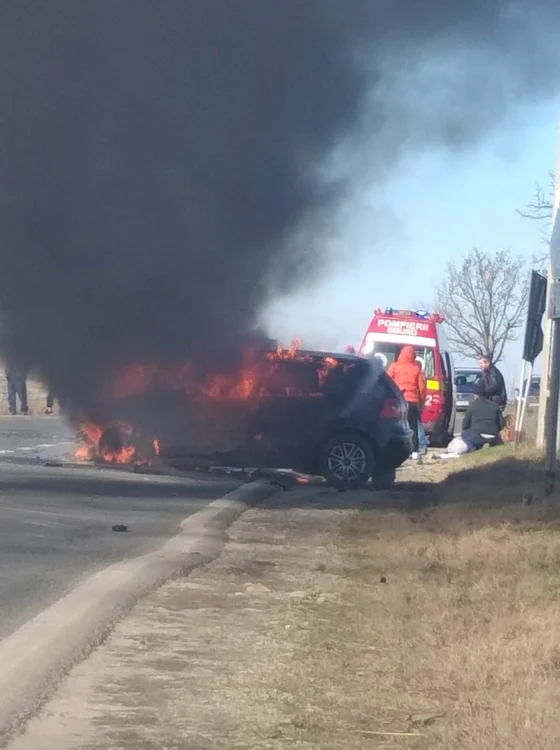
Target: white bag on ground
x,y
458,447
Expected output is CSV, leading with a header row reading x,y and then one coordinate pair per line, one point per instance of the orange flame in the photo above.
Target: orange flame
x,y
92,434
257,378
83,453
122,456
137,379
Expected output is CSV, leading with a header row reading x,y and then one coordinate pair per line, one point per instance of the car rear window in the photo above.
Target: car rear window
x,y
466,381
316,377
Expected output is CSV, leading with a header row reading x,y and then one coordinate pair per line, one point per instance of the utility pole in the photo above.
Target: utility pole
x,y
551,422
546,391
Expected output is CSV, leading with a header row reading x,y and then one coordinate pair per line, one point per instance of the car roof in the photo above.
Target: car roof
x,y
343,357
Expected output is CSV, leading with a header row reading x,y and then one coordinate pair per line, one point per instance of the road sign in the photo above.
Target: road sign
x,y
533,343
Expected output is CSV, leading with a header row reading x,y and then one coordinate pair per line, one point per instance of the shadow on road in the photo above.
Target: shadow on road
x,y
508,484
126,485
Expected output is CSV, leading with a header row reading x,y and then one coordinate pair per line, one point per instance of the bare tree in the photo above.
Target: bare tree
x,y
542,205
483,300
541,208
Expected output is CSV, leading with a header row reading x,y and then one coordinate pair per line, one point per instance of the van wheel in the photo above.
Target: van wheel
x,y
347,461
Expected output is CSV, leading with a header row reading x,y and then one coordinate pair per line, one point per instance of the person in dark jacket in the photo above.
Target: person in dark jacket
x,y
17,387
483,421
492,382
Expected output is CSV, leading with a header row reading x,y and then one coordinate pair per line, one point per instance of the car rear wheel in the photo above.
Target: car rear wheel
x,y
347,461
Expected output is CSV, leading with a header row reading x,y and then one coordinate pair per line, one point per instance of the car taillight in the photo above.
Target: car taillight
x,y
393,408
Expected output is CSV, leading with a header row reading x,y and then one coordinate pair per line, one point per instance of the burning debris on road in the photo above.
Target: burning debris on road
x,y
114,444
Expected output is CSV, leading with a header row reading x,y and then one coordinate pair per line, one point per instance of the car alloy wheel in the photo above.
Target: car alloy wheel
x,y
347,461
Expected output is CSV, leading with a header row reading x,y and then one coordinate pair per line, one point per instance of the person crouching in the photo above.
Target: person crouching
x,y
483,421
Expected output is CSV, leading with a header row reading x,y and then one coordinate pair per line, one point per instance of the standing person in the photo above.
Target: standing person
x,y
50,404
483,421
408,376
17,386
422,439
492,382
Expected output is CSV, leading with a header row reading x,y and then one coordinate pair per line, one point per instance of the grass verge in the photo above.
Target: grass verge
x,y
440,625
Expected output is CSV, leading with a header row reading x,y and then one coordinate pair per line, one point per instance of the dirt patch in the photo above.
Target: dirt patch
x,y
344,620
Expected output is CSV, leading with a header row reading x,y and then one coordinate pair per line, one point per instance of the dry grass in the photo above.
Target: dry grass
x,y
444,632
529,433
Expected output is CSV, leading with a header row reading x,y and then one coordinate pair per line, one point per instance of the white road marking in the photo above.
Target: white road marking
x,y
37,448
36,511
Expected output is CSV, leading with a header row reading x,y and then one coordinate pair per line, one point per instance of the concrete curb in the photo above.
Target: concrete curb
x,y
36,657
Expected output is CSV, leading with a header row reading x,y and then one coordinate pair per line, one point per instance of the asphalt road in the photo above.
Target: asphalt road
x,y
55,523
36,437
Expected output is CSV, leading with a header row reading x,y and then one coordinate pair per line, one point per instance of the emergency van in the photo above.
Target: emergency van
x,y
389,331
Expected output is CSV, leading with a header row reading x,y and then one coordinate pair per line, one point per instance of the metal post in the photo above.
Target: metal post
x,y
552,422
519,410
544,391
551,438
553,309
526,390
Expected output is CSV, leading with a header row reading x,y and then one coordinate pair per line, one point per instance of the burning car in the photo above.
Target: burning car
x,y
334,415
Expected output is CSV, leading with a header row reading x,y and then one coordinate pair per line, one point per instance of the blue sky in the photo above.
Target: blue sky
x,y
397,238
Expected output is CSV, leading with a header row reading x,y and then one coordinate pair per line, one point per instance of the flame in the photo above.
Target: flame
x,y
92,435
133,380
259,376
291,353
122,456
83,453
137,378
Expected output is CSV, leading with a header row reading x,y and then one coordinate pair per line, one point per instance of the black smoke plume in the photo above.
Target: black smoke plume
x,y
164,165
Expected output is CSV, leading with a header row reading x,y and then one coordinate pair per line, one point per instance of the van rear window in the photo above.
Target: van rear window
x,y
388,352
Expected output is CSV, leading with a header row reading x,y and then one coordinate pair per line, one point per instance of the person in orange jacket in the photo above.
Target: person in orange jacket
x,y
409,378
